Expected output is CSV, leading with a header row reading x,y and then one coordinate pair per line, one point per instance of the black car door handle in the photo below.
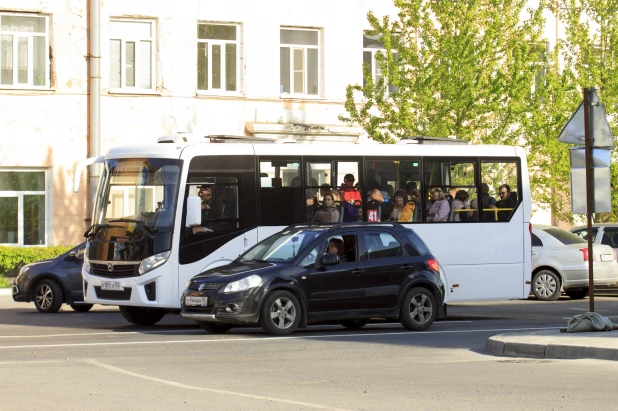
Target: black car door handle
x,y
407,267
358,271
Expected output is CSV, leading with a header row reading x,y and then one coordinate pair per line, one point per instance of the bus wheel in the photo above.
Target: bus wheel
x,y
214,328
81,308
546,285
418,309
141,315
354,324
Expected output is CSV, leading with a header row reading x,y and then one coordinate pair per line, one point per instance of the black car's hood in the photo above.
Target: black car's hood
x,y
235,271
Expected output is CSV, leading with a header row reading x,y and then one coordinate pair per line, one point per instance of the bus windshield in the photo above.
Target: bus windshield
x,y
138,190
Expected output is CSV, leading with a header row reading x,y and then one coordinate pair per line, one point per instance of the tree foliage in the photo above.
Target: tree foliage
x,y
480,70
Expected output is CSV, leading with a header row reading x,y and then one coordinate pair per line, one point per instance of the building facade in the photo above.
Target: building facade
x,y
270,68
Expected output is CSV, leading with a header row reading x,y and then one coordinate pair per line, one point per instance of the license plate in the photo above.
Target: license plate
x,y
606,257
196,300
111,286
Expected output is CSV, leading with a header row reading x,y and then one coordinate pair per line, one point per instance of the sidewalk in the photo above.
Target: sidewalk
x,y
5,291
602,345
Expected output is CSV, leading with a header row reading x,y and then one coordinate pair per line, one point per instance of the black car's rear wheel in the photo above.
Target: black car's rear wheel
x,y
141,315
81,308
354,324
280,313
214,328
48,296
418,309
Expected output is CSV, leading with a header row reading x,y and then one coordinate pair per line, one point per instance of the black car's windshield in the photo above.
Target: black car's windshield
x,y
281,247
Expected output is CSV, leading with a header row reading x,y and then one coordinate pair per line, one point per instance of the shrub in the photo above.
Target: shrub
x,y
13,258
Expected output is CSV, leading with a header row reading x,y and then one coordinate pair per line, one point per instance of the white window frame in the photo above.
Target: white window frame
x,y
20,209
30,36
292,47
221,43
374,64
540,65
137,40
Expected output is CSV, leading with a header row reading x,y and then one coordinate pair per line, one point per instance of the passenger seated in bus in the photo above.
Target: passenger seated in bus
x,y
461,203
505,202
335,246
403,210
439,208
349,211
328,213
376,200
350,193
487,202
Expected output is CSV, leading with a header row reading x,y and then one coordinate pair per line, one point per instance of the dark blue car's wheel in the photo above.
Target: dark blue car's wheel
x,y
280,313
48,296
81,308
418,309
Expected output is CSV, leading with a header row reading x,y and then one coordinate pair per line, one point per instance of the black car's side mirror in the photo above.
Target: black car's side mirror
x,y
329,259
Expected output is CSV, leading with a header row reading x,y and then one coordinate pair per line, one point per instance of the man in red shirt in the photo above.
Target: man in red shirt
x,y
350,193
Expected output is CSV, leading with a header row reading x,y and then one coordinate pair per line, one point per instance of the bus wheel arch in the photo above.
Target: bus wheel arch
x,y
546,284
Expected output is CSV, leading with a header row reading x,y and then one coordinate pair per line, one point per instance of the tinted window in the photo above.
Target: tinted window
x,y
611,235
309,260
416,246
583,233
536,241
564,236
382,245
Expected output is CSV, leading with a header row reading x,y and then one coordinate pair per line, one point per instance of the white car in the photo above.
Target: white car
x,y
606,233
560,264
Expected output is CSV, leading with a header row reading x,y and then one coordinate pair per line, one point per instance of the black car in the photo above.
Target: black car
x,y
50,283
291,279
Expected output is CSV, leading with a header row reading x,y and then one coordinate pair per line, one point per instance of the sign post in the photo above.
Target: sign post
x,y
589,125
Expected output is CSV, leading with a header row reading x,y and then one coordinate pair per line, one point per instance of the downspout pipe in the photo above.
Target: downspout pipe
x,y
94,101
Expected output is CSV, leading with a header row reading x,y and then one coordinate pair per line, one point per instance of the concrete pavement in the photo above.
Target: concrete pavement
x,y
602,345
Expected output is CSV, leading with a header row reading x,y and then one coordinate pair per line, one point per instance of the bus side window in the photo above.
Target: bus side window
x,y
282,199
500,184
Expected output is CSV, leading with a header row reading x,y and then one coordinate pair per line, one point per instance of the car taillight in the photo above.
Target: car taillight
x,y
433,264
615,256
585,252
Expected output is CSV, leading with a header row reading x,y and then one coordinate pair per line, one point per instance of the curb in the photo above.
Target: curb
x,y
499,345
5,291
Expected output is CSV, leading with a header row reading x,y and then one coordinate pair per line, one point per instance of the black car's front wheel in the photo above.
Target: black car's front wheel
x,y
214,328
48,296
418,309
280,313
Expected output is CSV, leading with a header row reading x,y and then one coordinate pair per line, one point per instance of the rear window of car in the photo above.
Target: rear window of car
x,y
565,237
416,246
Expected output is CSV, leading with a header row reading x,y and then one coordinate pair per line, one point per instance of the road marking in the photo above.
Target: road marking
x,y
205,389
269,339
193,330
29,362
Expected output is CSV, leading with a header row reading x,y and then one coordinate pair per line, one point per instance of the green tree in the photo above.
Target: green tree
x,y
480,70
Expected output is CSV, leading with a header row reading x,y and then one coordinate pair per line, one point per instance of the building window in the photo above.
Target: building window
x,y
300,62
539,53
132,55
22,207
218,57
24,45
371,46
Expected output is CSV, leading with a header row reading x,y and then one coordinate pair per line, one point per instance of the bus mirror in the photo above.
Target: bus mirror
x,y
194,211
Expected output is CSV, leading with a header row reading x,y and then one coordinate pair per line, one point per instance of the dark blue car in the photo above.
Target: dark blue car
x,y
314,273
50,283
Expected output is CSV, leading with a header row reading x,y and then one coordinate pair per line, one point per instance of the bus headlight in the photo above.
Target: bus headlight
x,y
244,284
153,262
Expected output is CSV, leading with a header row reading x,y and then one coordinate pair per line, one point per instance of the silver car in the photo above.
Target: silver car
x,y
601,234
560,264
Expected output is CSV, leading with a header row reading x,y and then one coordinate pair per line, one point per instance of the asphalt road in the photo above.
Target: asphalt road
x,y
96,361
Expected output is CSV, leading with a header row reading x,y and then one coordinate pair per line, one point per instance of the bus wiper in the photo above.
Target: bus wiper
x,y
149,230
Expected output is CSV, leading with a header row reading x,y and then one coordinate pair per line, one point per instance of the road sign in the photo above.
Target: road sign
x,y
601,135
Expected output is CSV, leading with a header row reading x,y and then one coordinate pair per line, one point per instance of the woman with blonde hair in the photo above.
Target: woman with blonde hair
x,y
403,211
